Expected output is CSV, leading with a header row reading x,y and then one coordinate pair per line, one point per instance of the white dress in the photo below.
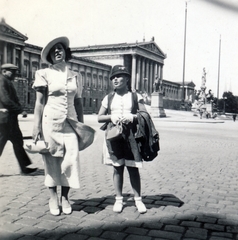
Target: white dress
x,y
62,163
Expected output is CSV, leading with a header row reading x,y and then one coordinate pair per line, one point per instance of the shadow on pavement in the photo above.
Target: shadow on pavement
x,y
95,205
197,225
39,172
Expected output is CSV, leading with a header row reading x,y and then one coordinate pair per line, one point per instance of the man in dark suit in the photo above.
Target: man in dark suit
x,y
10,107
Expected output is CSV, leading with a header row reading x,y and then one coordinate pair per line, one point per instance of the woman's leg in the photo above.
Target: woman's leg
x,y
136,186
135,180
65,192
66,207
118,180
53,202
53,193
118,185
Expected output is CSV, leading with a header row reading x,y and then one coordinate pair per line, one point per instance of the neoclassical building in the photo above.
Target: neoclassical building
x,y
145,61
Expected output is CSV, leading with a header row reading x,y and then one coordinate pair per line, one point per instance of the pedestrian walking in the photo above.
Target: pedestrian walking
x,y
234,117
118,108
10,107
58,120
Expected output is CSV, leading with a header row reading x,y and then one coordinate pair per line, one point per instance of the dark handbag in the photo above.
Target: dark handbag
x,y
114,132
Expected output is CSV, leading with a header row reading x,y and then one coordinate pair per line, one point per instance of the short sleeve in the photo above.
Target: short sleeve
x,y
105,102
139,97
79,86
40,80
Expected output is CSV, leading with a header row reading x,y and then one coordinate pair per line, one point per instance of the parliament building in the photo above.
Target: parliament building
x,y
144,60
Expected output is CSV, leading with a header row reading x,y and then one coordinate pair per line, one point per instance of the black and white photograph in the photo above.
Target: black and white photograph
x,y
118,119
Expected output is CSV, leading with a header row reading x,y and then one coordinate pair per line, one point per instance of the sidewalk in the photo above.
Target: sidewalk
x,y
190,189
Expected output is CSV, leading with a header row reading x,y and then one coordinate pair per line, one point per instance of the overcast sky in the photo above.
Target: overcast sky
x,y
94,22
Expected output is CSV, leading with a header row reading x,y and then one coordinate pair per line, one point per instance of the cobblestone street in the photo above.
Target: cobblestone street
x,y
190,189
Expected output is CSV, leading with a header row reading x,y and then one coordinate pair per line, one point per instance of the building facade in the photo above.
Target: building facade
x,y
14,49
145,61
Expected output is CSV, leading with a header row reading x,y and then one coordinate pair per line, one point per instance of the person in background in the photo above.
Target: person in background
x,y
10,107
58,109
121,154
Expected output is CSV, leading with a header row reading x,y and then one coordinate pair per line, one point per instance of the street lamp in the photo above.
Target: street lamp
x,y
224,106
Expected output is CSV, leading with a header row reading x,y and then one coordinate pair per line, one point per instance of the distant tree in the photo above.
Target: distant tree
x,y
229,101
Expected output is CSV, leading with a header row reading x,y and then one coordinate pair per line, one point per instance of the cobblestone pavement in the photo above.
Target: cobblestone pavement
x,y
190,189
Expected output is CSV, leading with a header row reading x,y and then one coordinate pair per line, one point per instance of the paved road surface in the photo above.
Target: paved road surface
x,y
190,190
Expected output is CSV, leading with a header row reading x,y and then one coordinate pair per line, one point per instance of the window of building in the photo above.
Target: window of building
x,y
90,102
9,53
105,83
26,69
100,82
34,69
18,57
88,79
28,98
94,80
84,102
83,78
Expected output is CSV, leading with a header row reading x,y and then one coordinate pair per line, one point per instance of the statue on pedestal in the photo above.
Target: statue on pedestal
x,y
203,101
210,96
157,108
157,86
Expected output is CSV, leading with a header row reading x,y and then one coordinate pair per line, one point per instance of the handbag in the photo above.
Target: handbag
x,y
114,132
39,147
85,133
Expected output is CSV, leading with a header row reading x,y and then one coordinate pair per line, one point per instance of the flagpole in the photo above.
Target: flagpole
x,y
219,60
184,52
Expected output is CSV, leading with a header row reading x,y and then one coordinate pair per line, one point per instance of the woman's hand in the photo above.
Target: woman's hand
x,y
127,118
36,134
115,118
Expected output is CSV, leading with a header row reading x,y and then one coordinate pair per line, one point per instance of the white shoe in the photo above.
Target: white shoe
x,y
118,205
54,207
66,207
140,205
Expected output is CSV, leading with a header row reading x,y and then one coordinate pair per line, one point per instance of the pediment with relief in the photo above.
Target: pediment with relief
x,y
152,47
5,29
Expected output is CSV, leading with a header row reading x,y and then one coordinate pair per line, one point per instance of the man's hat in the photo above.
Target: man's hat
x,y
119,69
9,66
46,50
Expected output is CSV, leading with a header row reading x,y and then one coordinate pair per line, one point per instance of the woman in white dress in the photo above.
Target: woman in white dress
x,y
120,153
58,109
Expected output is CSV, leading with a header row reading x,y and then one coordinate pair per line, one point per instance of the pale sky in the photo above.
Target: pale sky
x,y
94,22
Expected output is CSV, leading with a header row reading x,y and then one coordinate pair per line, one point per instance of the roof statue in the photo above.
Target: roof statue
x,y
203,86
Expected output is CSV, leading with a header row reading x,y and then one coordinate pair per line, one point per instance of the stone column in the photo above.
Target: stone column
x,y
14,54
155,70
22,61
4,52
143,75
161,72
138,75
97,80
147,76
133,73
151,77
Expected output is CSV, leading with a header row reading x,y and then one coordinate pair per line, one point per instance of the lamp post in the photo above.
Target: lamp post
x,y
184,52
218,79
224,104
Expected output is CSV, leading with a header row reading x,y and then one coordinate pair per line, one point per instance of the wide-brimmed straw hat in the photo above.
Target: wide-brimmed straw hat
x,y
46,50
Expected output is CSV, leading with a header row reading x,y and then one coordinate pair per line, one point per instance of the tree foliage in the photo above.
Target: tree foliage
x,y
228,103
